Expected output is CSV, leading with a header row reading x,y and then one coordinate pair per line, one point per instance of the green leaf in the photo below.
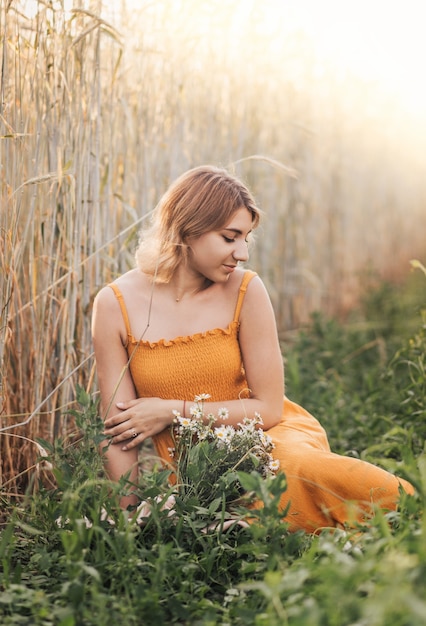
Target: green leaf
x,y
215,505
249,482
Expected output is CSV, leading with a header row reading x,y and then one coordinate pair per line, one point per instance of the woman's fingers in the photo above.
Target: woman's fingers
x,y
119,418
125,412
123,430
130,430
128,405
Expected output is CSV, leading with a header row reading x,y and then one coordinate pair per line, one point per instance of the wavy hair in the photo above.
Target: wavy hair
x,y
201,200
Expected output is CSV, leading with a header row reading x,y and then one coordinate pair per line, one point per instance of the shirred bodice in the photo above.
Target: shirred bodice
x,y
183,367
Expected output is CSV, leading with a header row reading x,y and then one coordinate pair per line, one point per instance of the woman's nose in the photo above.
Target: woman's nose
x,y
241,251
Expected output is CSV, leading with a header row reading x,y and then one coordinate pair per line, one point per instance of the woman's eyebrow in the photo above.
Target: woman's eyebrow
x,y
237,231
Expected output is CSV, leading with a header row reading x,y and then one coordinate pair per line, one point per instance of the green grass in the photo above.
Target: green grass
x,y
364,380
367,384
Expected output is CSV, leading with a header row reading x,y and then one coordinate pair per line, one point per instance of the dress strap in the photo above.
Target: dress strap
x,y
122,304
248,275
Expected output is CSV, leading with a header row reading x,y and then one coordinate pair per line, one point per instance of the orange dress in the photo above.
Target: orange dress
x,y
324,489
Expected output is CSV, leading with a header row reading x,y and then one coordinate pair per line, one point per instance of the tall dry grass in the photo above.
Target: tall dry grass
x,y
100,111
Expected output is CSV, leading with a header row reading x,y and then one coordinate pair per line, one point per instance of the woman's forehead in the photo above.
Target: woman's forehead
x,y
241,221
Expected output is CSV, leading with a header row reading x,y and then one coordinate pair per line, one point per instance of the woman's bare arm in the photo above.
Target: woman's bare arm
x,y
115,383
262,358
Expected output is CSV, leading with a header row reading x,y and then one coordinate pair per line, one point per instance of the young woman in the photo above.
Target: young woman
x,y
188,321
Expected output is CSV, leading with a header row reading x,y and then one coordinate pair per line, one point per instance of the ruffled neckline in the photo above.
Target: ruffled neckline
x,y
185,338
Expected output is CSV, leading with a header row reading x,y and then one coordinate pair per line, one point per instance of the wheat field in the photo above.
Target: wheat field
x,y
98,115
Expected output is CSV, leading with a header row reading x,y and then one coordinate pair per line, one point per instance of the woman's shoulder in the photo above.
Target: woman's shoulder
x,y
131,279
127,283
241,276
248,280
256,295
108,294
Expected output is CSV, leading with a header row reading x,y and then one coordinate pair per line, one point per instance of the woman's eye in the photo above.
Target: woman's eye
x,y
228,239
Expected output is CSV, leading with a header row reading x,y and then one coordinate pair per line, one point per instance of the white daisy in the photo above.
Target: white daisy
x,y
184,421
223,433
223,413
201,397
196,412
248,425
274,465
265,439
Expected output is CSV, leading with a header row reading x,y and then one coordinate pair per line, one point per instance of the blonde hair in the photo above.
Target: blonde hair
x,y
201,200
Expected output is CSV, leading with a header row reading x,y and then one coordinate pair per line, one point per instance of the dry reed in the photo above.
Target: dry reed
x,y
95,121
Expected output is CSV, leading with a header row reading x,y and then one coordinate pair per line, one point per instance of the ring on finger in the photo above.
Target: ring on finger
x,y
133,433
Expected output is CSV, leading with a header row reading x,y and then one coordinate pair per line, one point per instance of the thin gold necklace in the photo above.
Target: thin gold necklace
x,y
187,293
205,284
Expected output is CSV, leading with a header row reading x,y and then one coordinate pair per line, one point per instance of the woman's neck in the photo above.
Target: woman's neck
x,y
184,284
182,287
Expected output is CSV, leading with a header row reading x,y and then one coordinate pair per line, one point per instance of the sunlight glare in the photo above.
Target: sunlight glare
x,y
379,40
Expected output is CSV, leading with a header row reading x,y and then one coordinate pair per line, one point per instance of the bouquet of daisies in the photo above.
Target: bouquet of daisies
x,y
208,456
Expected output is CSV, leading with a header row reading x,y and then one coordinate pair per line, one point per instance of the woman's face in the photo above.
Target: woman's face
x,y
216,254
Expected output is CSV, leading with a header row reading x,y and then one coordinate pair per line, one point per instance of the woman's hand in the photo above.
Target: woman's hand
x,y
138,420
